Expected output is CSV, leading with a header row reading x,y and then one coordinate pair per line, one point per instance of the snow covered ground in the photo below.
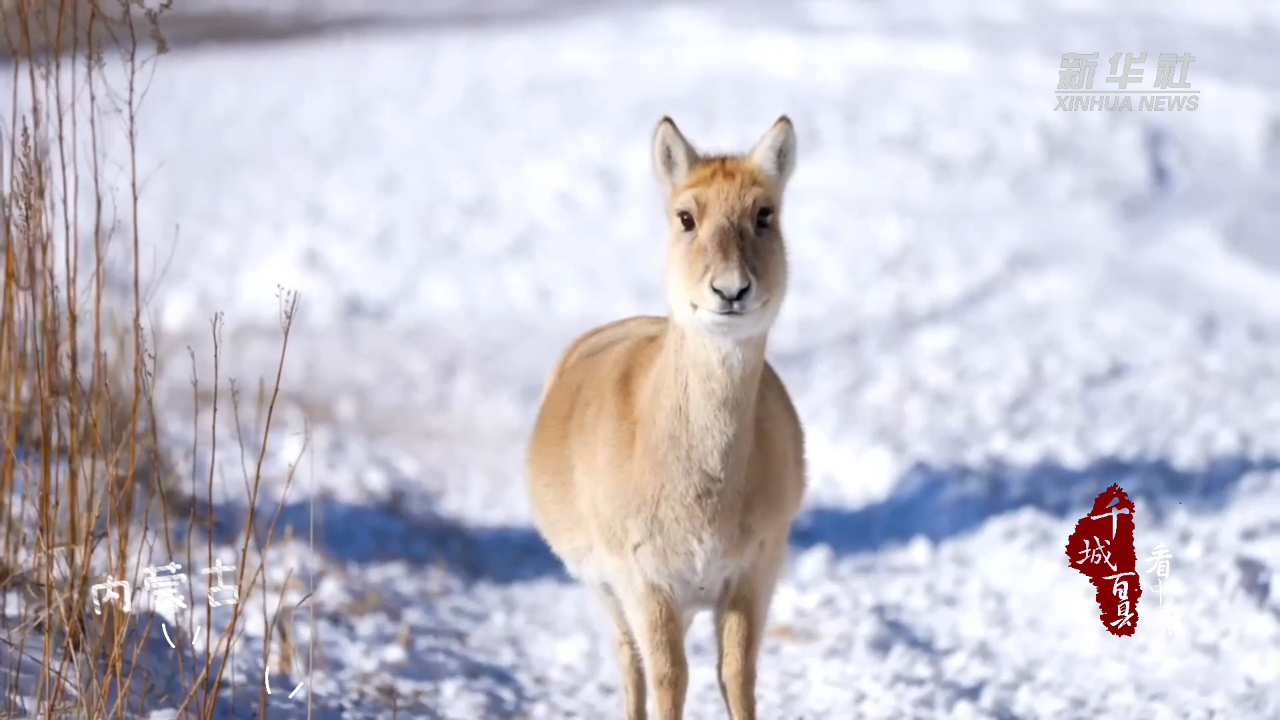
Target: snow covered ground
x,y
997,310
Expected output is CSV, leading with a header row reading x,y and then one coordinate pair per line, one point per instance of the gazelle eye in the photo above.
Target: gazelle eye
x,y
686,221
763,218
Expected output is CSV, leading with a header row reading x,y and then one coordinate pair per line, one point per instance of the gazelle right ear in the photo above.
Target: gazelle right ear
x,y
673,156
775,153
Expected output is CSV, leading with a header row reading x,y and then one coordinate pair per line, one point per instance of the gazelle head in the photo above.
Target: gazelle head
x,y
726,263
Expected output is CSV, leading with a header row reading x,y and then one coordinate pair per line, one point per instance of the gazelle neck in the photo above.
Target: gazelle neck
x,y
706,389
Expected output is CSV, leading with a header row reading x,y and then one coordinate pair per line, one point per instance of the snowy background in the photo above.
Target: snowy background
x,y
997,310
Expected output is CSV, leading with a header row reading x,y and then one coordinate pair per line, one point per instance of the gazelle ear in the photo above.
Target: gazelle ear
x,y
775,154
673,156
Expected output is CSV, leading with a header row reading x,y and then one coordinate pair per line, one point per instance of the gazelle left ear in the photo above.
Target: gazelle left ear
x,y
673,156
775,153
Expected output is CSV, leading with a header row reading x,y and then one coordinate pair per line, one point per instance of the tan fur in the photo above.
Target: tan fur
x,y
667,461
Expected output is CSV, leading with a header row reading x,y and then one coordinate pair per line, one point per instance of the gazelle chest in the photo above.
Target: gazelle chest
x,y
696,561
710,567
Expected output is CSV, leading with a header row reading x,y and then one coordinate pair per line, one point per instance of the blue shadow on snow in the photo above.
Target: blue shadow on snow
x,y
932,501
359,534
944,502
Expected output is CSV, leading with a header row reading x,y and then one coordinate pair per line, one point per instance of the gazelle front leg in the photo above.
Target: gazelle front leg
x,y
740,623
629,659
660,632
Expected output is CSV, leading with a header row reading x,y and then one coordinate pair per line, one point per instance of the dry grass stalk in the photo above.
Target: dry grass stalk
x,y
82,451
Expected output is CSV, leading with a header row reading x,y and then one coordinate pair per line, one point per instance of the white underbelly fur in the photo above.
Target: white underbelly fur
x,y
696,584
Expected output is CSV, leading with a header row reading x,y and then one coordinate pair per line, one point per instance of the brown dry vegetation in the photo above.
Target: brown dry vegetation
x,y
168,24
86,471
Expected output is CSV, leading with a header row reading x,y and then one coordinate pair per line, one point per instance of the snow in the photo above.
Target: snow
x,y
997,310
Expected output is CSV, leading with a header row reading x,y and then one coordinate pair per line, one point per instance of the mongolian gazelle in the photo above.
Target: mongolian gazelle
x,y
667,462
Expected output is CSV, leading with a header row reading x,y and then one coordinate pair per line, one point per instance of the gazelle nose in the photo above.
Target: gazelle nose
x,y
730,293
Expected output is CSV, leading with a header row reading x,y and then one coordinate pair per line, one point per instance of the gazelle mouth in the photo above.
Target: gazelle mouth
x,y
732,312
